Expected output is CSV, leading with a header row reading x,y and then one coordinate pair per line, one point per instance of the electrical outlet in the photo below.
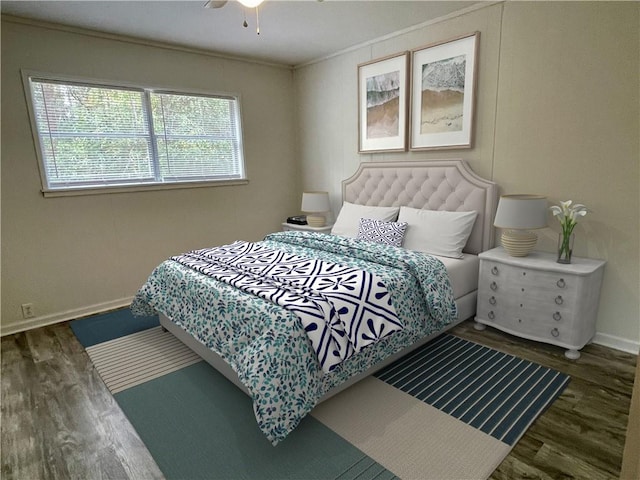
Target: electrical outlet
x,y
27,310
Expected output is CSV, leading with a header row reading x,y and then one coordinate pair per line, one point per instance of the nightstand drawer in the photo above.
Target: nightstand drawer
x,y
544,330
505,307
507,278
528,326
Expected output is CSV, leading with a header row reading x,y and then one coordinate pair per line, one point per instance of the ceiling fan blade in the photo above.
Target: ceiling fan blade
x,y
215,3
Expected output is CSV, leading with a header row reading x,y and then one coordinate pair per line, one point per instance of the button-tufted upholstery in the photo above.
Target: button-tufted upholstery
x,y
433,185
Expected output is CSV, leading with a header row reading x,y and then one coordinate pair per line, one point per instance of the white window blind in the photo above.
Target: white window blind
x,y
93,136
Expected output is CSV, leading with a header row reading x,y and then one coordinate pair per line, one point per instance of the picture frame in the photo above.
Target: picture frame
x,y
443,90
383,88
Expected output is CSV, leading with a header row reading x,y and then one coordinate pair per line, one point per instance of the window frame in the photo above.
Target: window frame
x,y
28,75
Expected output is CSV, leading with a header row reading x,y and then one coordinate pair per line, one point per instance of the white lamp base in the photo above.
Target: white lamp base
x,y
316,220
518,243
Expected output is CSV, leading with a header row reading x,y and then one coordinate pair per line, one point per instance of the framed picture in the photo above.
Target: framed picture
x,y
382,104
443,79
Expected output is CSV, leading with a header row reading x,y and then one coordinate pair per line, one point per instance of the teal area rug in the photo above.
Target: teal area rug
x,y
197,424
451,409
108,326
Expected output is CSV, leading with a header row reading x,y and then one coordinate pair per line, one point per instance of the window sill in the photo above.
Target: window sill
x,y
73,192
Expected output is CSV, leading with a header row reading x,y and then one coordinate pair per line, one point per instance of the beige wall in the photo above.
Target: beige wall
x,y
76,255
558,107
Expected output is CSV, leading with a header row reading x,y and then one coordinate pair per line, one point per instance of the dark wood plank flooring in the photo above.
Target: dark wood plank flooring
x,y
60,421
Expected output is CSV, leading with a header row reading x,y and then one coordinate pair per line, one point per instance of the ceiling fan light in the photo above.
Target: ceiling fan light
x,y
250,3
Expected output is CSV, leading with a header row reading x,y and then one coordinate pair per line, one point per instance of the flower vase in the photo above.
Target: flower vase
x,y
565,248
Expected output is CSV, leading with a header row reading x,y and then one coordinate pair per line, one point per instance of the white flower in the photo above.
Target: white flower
x,y
568,215
557,211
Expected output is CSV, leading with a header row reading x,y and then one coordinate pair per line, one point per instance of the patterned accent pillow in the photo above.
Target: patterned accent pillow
x,y
350,214
379,231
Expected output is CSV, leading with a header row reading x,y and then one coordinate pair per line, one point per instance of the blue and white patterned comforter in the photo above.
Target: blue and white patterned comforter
x,y
266,343
342,309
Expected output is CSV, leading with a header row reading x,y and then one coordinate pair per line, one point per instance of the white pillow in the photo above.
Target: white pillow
x,y
348,220
437,232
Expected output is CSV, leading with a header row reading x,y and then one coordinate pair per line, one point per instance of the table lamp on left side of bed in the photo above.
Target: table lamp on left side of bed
x,y
315,205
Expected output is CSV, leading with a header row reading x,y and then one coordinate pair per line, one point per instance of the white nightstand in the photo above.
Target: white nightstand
x,y
537,298
306,228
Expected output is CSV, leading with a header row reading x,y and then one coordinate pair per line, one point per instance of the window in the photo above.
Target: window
x,y
94,136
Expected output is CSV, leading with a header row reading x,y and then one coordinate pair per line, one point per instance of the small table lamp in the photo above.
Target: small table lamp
x,y
316,204
518,214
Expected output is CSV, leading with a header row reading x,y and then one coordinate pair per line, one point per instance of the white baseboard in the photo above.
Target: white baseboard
x,y
617,343
44,320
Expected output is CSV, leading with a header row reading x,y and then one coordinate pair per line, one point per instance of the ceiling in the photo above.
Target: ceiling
x,y
291,32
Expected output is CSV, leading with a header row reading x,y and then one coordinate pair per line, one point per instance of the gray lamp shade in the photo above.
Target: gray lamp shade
x,y
315,202
521,212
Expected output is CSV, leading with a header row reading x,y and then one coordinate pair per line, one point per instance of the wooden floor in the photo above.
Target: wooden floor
x,y
59,420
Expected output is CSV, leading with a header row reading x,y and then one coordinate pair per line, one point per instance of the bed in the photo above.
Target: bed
x,y
253,337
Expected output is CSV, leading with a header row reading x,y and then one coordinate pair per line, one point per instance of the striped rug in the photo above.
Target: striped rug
x,y
137,358
499,394
451,409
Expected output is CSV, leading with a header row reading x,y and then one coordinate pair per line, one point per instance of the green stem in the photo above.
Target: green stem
x,y
565,245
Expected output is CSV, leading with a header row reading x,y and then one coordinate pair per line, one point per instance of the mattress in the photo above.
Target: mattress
x,y
463,273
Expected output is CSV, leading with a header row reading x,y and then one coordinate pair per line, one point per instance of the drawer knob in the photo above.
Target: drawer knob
x,y
493,286
557,317
491,315
494,270
555,332
559,300
492,300
561,283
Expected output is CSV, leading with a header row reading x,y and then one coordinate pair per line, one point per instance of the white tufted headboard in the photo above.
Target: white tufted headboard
x,y
433,185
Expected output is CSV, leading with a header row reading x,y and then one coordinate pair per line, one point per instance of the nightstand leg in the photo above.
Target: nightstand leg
x,y
572,354
479,326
